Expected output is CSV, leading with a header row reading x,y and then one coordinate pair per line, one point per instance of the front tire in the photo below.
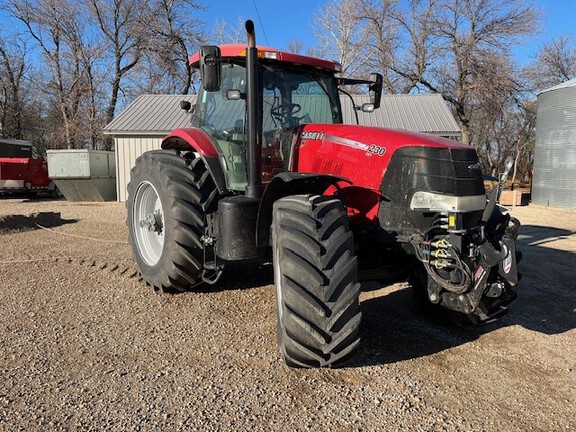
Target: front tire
x,y
315,273
169,196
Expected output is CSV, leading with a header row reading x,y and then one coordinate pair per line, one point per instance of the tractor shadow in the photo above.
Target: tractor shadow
x,y
18,223
394,330
244,275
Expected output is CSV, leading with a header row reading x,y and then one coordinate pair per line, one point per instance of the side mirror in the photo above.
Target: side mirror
x,y
233,95
375,89
210,67
368,107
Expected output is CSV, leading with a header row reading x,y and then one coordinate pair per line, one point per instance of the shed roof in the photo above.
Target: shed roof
x,y
151,114
157,115
16,142
566,84
415,113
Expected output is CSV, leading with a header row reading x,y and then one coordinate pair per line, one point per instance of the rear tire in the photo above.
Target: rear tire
x,y
315,273
169,196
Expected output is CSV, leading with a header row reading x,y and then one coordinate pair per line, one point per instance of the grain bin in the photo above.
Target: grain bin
x,y
83,175
554,181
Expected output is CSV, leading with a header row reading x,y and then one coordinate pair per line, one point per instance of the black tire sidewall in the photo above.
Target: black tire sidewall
x,y
152,274
187,193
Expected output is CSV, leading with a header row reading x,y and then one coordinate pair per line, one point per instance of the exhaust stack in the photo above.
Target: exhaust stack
x,y
253,152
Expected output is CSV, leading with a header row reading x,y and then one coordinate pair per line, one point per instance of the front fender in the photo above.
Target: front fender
x,y
193,139
183,139
286,184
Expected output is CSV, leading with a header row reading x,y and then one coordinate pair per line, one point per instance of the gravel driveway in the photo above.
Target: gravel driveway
x,y
84,345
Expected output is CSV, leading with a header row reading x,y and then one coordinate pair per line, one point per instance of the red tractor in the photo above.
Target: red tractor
x,y
268,170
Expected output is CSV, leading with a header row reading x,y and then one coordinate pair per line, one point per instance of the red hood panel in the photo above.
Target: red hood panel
x,y
358,153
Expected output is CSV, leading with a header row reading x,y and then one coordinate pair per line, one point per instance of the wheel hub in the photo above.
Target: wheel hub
x,y
152,222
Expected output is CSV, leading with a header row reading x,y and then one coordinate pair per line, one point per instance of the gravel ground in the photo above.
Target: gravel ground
x,y
84,345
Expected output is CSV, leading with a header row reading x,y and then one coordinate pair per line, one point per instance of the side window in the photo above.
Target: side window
x,y
223,116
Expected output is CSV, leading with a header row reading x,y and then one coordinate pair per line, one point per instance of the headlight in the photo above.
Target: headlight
x,y
437,202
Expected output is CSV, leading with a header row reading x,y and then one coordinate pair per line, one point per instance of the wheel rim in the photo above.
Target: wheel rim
x,y
277,281
148,223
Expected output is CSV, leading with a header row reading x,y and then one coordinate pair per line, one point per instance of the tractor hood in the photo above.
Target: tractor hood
x,y
360,153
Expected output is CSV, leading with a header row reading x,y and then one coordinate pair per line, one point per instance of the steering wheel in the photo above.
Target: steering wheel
x,y
287,109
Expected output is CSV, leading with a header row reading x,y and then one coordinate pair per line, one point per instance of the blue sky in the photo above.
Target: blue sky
x,y
283,21
287,20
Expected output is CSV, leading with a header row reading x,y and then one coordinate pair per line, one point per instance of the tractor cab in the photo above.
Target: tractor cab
x,y
291,90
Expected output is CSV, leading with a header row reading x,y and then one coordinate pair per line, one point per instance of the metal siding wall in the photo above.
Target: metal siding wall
x,y
128,149
554,181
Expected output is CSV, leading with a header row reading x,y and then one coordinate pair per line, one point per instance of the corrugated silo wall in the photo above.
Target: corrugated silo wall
x,y
554,181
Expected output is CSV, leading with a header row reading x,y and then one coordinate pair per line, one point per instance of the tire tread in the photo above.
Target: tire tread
x,y
319,320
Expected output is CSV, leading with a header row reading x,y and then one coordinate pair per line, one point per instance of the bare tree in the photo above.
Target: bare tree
x,y
526,132
555,63
124,26
383,38
418,49
470,36
176,34
56,26
13,68
295,46
226,33
342,33
91,53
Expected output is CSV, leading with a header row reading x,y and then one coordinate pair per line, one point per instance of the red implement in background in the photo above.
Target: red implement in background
x,y
27,175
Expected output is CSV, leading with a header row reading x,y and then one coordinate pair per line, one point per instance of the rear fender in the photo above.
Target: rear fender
x,y
198,141
286,184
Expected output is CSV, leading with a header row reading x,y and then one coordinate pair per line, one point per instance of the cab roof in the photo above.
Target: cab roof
x,y
239,51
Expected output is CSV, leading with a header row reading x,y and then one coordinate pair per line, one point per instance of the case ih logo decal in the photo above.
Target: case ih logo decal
x,y
309,135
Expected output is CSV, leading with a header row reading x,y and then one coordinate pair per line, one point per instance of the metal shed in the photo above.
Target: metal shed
x,y
140,128
426,113
149,118
554,180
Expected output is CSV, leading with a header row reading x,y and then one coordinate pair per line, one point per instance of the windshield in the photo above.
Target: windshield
x,y
291,96
294,96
